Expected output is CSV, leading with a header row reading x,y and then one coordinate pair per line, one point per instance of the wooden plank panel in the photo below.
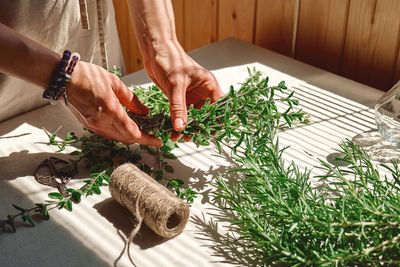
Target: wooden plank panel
x,y
321,32
371,41
275,24
397,67
126,32
397,75
200,23
179,19
236,19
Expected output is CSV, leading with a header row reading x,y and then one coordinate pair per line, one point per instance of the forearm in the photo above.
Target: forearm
x,y
24,58
154,24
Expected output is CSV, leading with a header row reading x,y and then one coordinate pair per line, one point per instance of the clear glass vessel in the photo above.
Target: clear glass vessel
x,y
387,115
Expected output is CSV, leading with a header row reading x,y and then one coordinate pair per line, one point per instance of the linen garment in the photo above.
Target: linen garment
x,y
58,25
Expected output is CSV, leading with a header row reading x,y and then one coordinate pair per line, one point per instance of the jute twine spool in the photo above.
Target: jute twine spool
x,y
149,201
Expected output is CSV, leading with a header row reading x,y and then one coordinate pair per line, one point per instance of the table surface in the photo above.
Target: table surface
x,y
94,233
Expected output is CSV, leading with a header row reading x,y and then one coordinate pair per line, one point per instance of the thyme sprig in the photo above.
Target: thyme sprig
x,y
91,186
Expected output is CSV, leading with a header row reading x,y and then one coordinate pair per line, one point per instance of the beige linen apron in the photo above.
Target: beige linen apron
x,y
59,25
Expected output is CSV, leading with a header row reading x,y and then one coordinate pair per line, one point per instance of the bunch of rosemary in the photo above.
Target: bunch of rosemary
x,y
278,217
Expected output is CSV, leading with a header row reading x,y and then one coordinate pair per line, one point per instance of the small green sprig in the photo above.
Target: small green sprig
x,y
176,186
69,139
92,186
26,216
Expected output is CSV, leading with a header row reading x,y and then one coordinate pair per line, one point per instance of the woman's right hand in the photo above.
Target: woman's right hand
x,y
95,97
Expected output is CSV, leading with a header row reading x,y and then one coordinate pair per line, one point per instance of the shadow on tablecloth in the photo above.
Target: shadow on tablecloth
x,y
46,244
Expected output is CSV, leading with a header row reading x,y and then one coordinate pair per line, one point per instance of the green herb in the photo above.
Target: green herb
x,y
92,186
253,105
281,218
176,186
236,119
278,217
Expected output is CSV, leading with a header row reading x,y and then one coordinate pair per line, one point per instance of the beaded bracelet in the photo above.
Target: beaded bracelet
x,y
74,59
60,77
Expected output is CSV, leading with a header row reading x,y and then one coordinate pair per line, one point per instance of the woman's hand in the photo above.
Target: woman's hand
x,y
95,97
182,80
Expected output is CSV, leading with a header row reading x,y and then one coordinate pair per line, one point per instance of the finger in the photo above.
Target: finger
x,y
175,136
216,95
177,102
106,129
144,138
187,138
199,104
113,136
129,99
131,132
216,90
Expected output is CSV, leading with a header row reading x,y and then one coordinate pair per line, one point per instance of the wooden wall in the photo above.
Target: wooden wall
x,y
358,39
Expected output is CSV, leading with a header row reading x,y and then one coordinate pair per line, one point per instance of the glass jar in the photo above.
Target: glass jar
x,y
387,115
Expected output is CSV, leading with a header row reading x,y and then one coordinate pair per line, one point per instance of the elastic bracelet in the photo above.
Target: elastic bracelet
x,y
74,59
61,75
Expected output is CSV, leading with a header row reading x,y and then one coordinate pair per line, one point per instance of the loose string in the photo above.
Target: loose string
x,y
133,233
139,219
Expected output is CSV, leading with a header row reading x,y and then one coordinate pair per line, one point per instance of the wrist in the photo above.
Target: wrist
x,y
161,48
43,65
159,38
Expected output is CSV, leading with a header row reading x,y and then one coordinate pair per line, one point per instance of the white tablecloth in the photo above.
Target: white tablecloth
x,y
94,233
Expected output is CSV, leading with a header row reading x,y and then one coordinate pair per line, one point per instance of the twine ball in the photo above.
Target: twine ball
x,y
160,209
